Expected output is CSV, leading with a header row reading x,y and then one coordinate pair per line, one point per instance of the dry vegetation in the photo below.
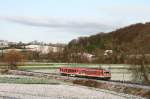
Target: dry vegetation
x,y
13,59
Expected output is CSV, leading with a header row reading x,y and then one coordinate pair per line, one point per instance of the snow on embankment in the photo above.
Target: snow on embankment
x,y
136,90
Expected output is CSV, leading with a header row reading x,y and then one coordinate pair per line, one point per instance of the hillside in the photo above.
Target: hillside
x,y
89,44
130,33
124,36
125,40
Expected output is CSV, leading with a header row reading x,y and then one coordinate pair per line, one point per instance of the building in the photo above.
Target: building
x,y
43,48
108,52
4,43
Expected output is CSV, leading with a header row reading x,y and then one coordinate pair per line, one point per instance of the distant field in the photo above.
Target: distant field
x,y
39,65
76,65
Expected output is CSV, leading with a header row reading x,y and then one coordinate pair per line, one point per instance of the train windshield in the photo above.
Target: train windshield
x,y
107,72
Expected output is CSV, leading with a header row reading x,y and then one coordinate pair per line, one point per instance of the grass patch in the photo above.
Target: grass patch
x,y
28,80
36,67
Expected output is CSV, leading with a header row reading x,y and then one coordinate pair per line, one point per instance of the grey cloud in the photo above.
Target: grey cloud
x,y
71,25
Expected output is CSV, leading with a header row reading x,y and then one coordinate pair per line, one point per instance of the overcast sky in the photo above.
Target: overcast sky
x,y
59,21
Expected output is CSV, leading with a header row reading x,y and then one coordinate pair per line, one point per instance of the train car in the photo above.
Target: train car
x,y
86,72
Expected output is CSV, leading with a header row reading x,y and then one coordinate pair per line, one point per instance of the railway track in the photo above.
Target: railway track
x,y
57,75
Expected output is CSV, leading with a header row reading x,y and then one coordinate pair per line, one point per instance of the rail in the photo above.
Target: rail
x,y
126,83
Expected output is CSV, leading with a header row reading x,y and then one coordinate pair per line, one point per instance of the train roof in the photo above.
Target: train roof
x,y
85,68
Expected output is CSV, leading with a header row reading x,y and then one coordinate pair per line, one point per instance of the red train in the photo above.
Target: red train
x,y
86,72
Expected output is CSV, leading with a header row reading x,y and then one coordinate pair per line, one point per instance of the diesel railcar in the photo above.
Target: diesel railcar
x,y
86,72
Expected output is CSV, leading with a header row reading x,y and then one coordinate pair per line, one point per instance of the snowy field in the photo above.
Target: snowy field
x,y
40,91
26,87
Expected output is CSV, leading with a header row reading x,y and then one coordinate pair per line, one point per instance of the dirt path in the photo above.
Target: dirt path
x,y
39,91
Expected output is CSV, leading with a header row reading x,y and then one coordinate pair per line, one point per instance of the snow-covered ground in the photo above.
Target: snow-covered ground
x,y
54,91
40,91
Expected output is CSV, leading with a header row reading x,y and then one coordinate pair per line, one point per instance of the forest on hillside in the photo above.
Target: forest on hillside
x,y
129,41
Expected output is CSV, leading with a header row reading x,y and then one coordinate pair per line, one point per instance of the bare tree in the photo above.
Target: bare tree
x,y
13,59
140,59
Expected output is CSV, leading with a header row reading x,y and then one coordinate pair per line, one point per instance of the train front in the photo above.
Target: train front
x,y
106,74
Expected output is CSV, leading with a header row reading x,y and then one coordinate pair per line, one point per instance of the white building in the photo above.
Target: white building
x,y
108,52
88,56
43,48
3,43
